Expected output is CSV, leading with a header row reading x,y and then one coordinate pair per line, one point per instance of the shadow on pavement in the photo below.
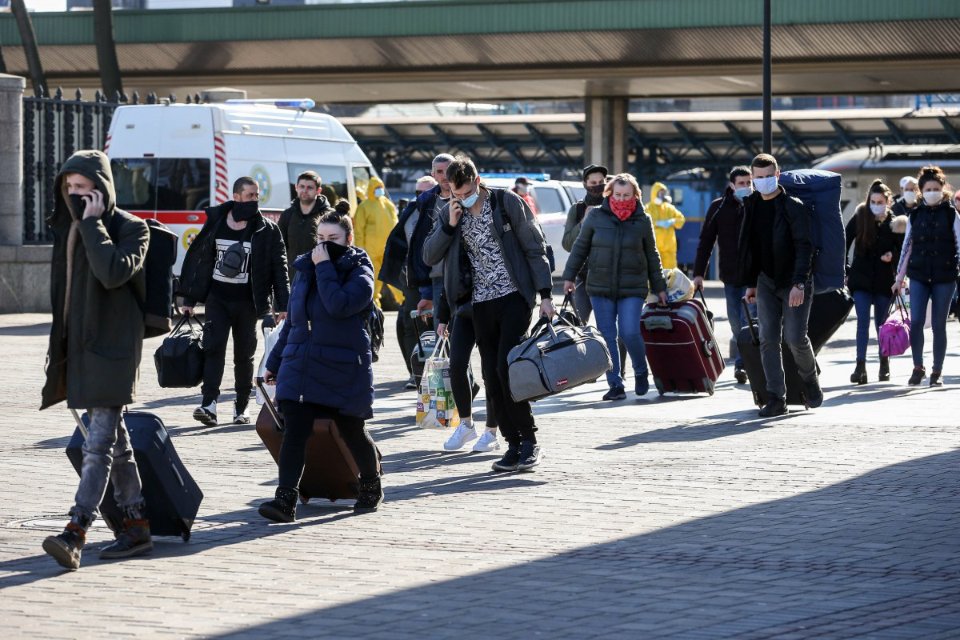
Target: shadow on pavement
x,y
707,428
876,555
40,329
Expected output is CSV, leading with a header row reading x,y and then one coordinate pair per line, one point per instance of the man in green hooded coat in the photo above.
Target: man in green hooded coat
x,y
95,343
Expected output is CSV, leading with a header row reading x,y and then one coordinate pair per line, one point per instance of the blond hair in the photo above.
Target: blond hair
x,y
622,178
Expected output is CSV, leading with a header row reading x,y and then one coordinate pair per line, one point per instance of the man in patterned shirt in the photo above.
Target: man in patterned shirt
x,y
495,258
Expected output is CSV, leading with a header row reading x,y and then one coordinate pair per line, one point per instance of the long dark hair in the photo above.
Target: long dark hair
x,y
866,221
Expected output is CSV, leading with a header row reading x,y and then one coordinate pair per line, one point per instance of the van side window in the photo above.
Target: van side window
x,y
335,176
361,180
162,184
548,200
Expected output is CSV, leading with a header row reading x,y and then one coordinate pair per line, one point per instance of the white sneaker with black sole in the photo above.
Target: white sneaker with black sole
x,y
241,417
206,414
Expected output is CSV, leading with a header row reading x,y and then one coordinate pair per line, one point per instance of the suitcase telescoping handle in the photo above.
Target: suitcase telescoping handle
x,y
751,322
268,403
80,425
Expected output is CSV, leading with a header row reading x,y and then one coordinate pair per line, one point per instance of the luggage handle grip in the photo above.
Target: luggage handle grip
x,y
268,403
751,322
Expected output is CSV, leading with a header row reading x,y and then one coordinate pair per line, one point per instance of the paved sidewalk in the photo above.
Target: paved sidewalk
x,y
680,517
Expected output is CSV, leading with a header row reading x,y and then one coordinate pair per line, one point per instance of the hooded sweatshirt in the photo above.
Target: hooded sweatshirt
x,y
97,333
666,235
374,220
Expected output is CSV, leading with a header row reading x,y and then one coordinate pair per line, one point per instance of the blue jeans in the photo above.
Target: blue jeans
x,y
779,321
621,318
939,294
736,316
107,455
863,300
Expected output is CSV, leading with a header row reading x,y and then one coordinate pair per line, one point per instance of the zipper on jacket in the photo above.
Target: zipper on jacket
x,y
618,247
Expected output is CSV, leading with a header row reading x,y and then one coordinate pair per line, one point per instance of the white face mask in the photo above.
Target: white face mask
x,y
766,186
878,209
658,200
910,197
932,197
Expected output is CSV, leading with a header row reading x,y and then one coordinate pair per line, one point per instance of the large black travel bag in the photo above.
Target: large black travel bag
x,y
172,496
828,312
179,358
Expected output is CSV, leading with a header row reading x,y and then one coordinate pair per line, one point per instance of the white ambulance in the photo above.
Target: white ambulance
x,y
170,161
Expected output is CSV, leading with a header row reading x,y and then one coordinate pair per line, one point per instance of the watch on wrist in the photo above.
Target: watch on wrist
x,y
799,286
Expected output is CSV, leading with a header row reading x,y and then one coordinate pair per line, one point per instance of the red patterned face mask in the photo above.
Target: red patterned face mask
x,y
623,209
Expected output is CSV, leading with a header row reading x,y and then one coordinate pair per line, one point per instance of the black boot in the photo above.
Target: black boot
x,y
859,375
369,496
919,373
283,507
884,374
134,539
67,546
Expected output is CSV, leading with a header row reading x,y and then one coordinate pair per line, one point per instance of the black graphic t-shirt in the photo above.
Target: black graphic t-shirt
x,y
228,286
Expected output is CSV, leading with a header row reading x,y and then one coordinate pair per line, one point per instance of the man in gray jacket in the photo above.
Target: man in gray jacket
x,y
496,259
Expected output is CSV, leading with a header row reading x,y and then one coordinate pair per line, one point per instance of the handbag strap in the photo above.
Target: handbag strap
x,y
900,304
568,302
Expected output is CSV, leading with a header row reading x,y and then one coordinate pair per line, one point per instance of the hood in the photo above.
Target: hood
x,y
374,184
91,164
319,206
656,188
898,224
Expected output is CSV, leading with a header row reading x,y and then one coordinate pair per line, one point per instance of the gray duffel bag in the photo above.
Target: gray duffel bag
x,y
557,356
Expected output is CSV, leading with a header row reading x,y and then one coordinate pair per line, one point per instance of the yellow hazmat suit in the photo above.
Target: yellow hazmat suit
x,y
375,218
666,220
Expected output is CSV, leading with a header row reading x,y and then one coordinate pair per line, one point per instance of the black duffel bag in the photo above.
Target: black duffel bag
x,y
179,359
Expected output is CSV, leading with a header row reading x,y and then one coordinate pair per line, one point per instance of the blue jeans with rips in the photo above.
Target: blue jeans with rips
x,y
107,455
621,318
939,294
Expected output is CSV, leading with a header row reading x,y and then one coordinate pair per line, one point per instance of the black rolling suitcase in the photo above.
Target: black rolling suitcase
x,y
827,314
172,496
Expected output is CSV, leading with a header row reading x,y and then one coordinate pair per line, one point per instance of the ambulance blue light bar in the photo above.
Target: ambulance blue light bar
x,y
528,176
303,104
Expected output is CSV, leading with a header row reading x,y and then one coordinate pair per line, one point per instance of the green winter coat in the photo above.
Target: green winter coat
x,y
94,353
621,257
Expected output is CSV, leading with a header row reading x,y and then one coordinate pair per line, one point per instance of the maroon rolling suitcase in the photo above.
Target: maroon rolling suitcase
x,y
681,349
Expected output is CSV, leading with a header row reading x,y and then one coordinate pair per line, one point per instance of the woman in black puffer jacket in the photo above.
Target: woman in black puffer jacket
x,y
877,237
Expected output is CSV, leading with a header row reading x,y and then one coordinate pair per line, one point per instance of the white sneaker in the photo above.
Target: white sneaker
x,y
460,437
241,417
487,442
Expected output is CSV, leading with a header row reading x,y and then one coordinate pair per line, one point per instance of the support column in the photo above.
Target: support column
x,y
11,159
605,133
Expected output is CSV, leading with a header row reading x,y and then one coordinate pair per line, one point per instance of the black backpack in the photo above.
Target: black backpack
x,y
157,307
373,323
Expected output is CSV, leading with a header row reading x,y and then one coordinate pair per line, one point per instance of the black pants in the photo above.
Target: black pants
x,y
298,420
240,316
462,340
500,325
408,328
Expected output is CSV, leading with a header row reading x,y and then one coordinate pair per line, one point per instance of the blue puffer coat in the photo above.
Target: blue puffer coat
x,y
323,353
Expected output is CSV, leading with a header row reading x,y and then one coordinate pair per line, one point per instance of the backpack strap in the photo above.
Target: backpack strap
x,y
112,231
581,210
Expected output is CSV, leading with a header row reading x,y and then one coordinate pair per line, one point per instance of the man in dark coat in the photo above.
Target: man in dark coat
x,y
235,265
776,266
721,226
97,283
298,223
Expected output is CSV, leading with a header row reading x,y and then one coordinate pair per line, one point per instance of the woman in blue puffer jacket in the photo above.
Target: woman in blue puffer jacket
x,y
322,363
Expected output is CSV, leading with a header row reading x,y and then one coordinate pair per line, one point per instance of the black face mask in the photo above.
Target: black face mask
x,y
245,210
77,205
335,250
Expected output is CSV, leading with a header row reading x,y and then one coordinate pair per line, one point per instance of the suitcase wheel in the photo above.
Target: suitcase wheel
x,y
708,385
185,536
304,499
659,385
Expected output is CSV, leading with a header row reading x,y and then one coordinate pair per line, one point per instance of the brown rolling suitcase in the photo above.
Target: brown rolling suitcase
x,y
330,470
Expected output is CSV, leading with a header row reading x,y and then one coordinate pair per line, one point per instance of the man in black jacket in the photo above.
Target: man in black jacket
x,y
234,265
776,267
721,226
298,223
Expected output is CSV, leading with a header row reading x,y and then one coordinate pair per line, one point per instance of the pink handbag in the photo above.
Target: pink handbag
x,y
894,334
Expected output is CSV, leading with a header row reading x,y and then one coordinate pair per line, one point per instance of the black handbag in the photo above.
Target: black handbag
x,y
179,358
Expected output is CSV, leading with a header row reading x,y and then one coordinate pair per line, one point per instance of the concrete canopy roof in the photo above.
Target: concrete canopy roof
x,y
521,49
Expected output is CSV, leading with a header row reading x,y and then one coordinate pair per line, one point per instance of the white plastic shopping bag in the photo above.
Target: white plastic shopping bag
x,y
435,406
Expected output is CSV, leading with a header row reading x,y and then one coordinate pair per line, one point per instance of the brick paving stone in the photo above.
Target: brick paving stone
x,y
673,517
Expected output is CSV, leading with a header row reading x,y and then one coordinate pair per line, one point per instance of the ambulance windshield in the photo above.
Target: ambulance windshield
x,y
161,184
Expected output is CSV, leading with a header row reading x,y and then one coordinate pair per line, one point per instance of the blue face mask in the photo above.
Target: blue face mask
x,y
378,192
470,200
766,186
742,192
